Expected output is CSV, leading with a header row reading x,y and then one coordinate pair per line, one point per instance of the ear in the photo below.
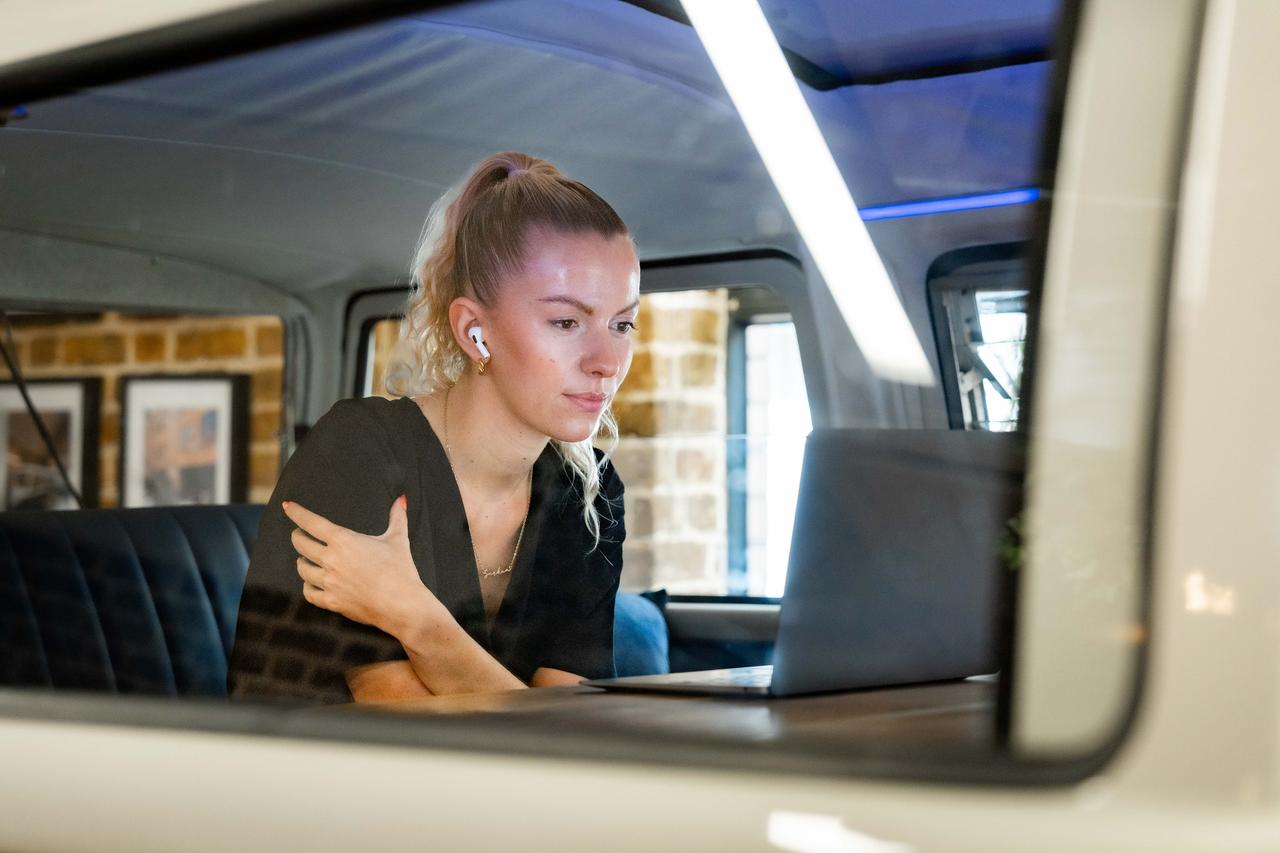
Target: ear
x,y
465,312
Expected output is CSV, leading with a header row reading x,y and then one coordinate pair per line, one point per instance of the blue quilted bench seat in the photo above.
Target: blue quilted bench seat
x,y
145,600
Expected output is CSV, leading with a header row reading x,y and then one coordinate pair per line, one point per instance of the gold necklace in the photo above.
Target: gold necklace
x,y
475,553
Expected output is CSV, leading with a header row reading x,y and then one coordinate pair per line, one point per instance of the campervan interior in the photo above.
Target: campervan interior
x,y
223,249
887,229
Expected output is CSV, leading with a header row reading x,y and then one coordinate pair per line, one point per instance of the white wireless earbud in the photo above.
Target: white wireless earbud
x,y
478,339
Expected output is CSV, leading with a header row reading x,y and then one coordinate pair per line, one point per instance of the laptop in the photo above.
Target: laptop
x,y
894,574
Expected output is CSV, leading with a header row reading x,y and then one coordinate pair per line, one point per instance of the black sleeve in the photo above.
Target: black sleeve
x,y
344,470
578,636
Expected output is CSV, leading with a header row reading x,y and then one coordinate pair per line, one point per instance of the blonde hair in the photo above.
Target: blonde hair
x,y
475,237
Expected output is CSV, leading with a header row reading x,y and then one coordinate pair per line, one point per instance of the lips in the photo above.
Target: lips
x,y
593,403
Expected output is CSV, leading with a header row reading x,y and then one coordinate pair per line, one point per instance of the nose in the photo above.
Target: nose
x,y
605,355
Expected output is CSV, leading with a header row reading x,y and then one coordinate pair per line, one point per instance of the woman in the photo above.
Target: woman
x,y
466,536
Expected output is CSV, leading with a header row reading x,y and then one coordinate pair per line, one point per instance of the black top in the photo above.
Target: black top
x,y
557,610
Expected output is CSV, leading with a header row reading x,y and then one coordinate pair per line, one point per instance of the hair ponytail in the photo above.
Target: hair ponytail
x,y
475,237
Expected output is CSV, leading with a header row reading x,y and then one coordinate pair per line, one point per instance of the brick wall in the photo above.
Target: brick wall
x,y
113,345
672,413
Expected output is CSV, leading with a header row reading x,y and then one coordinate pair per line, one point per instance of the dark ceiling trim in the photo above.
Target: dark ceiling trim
x,y
663,9
822,80
969,66
677,261
217,36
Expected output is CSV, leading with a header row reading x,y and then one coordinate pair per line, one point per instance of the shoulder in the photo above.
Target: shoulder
x,y
611,486
364,431
569,487
348,467
356,419
568,502
361,413
610,503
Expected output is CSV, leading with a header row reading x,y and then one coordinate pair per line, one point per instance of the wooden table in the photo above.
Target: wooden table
x,y
954,718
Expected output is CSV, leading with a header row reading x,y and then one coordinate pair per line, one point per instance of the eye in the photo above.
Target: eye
x,y
566,324
625,326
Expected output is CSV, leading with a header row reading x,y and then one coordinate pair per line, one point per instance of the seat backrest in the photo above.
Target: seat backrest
x,y
145,600
640,640
123,600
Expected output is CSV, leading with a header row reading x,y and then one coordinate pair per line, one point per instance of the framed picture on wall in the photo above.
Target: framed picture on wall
x,y
29,477
183,439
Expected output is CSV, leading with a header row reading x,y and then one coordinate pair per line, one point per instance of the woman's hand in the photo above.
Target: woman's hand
x,y
369,579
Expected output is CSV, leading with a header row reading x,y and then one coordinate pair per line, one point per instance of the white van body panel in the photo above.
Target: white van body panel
x,y
1197,770
91,788
1106,274
1211,700
42,28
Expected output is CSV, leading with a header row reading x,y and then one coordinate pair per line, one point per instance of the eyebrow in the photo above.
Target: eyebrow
x,y
582,306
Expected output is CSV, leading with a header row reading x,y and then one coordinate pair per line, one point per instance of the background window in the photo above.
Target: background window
x,y
980,320
777,421
379,342
712,419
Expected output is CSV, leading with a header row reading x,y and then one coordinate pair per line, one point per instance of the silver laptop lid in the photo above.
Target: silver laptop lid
x,y
894,569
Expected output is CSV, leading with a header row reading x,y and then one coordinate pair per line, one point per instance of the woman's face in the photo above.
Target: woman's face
x,y
560,332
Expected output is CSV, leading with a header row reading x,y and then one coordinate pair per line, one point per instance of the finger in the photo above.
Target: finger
x,y
398,521
315,595
317,525
311,573
308,547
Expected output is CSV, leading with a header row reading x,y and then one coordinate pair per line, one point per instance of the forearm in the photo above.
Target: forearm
x,y
548,677
443,655
386,681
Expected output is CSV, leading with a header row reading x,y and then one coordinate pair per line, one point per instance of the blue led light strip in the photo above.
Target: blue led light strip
x,y
949,205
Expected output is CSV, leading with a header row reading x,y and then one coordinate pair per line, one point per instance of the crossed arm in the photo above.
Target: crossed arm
x,y
373,579
397,679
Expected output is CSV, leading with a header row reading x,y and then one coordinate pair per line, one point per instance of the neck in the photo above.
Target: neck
x,y
489,448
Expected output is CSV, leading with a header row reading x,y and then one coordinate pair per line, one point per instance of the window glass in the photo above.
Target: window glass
x,y
379,343
1003,320
988,333
202,393
778,420
776,433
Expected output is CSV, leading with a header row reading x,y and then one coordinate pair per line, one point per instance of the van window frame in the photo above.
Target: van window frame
x,y
1006,266
267,25
778,272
